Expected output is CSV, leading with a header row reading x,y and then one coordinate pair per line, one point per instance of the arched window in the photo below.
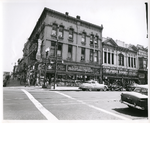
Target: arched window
x,y
121,59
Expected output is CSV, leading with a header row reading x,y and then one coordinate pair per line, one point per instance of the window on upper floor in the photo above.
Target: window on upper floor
x,y
70,33
52,51
91,55
121,59
96,41
108,58
92,39
82,53
96,56
83,39
61,32
134,62
59,50
128,61
112,58
70,51
144,64
105,57
54,30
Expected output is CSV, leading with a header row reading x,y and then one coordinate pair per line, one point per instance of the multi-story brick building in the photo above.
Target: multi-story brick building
x,y
78,44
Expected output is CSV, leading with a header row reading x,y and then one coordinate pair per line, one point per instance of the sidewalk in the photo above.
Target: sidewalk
x,y
16,84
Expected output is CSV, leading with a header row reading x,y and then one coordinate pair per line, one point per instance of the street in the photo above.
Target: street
x,y
43,104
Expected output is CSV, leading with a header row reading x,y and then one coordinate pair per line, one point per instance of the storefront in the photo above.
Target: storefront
x,y
142,75
72,74
120,75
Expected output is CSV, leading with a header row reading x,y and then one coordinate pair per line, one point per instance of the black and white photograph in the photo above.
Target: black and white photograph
x,y
75,61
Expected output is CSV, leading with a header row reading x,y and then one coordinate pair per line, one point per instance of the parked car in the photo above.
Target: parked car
x,y
115,87
137,98
93,85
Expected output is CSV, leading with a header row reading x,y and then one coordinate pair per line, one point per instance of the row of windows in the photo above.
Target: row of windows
x,y
109,58
93,39
93,56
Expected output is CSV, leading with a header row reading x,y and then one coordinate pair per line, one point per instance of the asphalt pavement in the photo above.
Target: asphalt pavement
x,y
14,83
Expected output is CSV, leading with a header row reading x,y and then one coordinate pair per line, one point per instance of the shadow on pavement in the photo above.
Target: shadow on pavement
x,y
132,112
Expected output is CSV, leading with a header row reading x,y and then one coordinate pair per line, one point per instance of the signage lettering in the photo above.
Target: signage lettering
x,y
80,68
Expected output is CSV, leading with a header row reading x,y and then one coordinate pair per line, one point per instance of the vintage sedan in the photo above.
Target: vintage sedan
x,y
137,98
93,85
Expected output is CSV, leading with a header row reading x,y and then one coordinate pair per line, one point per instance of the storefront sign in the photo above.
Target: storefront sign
x,y
132,73
61,67
123,72
141,75
80,68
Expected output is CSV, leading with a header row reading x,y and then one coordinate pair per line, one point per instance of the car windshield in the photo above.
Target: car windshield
x,y
141,90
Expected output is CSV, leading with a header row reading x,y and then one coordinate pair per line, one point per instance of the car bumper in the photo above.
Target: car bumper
x,y
133,105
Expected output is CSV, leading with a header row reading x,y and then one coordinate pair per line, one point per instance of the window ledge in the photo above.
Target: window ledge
x,y
70,40
83,43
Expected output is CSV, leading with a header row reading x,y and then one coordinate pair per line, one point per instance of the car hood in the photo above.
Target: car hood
x,y
139,95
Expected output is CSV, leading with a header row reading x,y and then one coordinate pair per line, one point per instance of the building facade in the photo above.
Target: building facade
x,y
143,64
119,62
124,62
66,47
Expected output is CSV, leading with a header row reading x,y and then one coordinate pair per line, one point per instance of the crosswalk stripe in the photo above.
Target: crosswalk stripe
x,y
40,107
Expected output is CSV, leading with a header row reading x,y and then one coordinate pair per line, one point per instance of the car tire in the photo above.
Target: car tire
x,y
105,89
90,89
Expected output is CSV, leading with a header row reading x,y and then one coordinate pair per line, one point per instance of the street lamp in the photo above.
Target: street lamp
x,y
47,50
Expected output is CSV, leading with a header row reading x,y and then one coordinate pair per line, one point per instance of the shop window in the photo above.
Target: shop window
x,y
92,39
71,33
121,60
112,58
91,55
54,30
82,54
83,39
108,58
105,57
59,50
61,31
96,56
70,51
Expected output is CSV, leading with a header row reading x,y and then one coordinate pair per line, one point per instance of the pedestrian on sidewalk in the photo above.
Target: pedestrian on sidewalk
x,y
37,83
27,81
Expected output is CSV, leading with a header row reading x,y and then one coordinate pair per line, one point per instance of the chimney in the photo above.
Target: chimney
x,y
78,17
67,13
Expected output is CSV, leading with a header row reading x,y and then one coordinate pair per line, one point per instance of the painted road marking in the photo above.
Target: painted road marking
x,y
97,108
40,107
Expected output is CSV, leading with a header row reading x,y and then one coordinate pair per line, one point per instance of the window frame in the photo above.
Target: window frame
x,y
69,49
96,56
83,38
54,30
83,54
91,55
71,35
92,39
61,31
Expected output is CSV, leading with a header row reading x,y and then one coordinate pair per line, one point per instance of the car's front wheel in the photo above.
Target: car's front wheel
x,y
105,89
90,89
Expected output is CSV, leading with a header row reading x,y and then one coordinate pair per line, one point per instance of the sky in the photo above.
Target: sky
x,y
123,20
